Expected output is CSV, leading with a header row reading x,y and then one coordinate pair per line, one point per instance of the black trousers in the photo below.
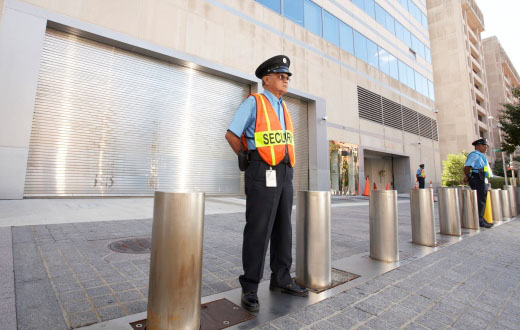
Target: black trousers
x,y
268,218
421,182
480,186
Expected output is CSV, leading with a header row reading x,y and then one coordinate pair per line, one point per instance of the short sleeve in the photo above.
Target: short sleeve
x,y
243,117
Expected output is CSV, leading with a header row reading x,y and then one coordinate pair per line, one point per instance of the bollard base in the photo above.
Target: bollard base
x,y
338,277
215,315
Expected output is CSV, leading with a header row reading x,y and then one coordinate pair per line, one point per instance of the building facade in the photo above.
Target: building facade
x,y
121,98
460,74
501,78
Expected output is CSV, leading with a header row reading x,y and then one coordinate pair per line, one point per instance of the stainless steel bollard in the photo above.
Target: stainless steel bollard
x,y
423,217
470,209
449,211
496,205
176,261
384,239
517,197
506,205
512,200
313,249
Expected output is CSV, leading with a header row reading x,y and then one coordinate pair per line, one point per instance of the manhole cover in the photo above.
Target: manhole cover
x,y
338,277
215,315
132,245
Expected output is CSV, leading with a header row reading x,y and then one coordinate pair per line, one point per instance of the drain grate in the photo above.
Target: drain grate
x,y
338,277
215,315
132,245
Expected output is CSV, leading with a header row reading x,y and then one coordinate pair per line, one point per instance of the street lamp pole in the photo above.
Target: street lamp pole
x,y
500,137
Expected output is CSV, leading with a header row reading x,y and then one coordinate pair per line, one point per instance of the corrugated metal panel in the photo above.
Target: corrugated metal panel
x,y
369,105
299,114
435,134
425,126
410,121
392,114
111,122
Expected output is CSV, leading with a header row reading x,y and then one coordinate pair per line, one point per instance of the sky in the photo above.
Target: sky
x,y
501,20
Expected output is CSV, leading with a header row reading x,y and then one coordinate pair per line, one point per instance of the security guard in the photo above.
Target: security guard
x,y
477,172
420,176
262,125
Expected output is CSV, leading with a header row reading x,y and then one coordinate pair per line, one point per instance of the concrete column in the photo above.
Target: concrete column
x,y
19,66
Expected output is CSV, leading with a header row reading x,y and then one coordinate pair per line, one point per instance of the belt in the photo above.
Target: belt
x,y
254,155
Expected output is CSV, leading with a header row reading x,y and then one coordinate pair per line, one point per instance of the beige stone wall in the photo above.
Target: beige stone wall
x,y
451,76
198,28
1,9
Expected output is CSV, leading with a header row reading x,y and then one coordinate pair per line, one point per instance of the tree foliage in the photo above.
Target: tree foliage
x,y
453,169
510,121
498,168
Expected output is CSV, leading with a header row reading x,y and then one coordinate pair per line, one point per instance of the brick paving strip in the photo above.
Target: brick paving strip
x,y
66,276
473,284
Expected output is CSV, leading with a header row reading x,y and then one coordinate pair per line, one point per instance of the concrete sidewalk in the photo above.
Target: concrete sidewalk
x,y
66,277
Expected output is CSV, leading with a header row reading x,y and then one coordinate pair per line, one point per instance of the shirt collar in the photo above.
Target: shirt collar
x,y
272,99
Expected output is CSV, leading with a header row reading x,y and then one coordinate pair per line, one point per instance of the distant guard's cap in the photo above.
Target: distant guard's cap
x,y
421,165
276,64
480,141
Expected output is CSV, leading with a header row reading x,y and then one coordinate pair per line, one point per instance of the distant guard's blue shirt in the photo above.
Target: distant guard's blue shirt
x,y
477,161
245,117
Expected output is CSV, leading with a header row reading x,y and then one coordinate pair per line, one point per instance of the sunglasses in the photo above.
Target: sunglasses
x,y
282,77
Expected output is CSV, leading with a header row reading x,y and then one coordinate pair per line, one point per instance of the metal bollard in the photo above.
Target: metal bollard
x,y
506,205
512,200
176,261
313,247
517,197
423,217
449,211
470,216
496,205
384,239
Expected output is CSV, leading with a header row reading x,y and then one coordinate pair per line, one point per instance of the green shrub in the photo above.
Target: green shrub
x,y
497,182
453,169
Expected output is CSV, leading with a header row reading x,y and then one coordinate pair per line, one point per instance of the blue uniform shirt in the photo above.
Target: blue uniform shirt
x,y
245,117
419,172
477,161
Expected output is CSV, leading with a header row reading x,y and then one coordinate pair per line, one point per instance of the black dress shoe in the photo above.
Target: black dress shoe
x,y
250,301
292,289
485,225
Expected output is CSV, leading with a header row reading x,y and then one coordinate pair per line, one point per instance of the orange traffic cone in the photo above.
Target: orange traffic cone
x,y
367,188
431,185
387,186
375,186
416,185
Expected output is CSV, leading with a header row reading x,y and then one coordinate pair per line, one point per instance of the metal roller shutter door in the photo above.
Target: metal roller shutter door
x,y
109,122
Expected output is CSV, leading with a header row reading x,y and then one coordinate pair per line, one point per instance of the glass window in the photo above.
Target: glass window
x,y
411,77
407,37
360,46
293,10
399,31
369,8
418,46
389,24
418,82
425,86
346,37
312,17
273,4
404,3
360,4
330,28
380,15
414,10
430,90
403,74
427,54
392,65
372,54
383,61
424,21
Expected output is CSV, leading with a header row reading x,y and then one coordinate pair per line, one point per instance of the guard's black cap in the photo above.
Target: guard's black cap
x,y
480,141
276,64
421,165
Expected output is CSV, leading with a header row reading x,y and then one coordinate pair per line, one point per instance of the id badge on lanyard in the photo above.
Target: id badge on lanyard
x,y
270,177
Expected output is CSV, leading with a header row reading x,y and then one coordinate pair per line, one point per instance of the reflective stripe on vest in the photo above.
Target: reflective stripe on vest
x,y
422,174
270,140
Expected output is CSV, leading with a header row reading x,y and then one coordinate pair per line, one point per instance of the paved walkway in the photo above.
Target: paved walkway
x,y
66,277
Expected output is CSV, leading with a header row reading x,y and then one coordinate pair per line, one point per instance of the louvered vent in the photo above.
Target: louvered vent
x,y
369,105
435,135
392,114
425,126
410,121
